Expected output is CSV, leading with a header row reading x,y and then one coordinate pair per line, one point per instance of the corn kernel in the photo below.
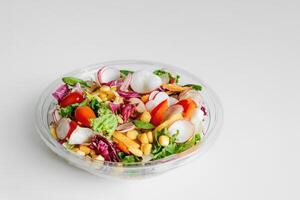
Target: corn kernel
x,y
150,136
53,132
79,152
146,149
145,98
105,88
99,157
75,149
85,149
143,138
113,88
92,152
132,134
145,117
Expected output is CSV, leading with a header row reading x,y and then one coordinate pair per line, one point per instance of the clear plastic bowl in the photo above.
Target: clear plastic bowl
x,y
212,125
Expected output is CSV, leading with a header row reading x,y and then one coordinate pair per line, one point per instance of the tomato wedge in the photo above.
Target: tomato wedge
x,y
157,114
73,97
188,107
83,115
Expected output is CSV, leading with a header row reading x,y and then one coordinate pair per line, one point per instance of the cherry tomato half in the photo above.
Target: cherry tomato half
x,y
83,115
73,97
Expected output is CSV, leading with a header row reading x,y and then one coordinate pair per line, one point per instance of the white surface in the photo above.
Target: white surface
x,y
248,51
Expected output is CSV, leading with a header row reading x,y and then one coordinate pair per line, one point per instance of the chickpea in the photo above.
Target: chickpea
x,y
143,138
113,88
105,88
146,149
132,134
150,136
146,117
163,140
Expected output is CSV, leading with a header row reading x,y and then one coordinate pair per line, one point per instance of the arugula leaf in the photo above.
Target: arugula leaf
x,y
143,125
194,86
188,144
160,152
72,81
125,72
127,158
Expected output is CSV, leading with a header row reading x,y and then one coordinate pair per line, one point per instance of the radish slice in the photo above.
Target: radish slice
x,y
173,110
185,129
144,82
172,101
160,97
63,128
80,135
140,105
150,105
126,83
56,116
107,74
153,94
197,118
193,94
123,128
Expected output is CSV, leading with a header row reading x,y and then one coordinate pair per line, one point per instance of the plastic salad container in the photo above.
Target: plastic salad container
x,y
212,125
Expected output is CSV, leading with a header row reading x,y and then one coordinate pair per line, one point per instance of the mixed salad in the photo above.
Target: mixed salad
x,y
126,116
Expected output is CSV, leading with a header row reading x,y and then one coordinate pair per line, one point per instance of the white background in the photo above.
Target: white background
x,y
247,51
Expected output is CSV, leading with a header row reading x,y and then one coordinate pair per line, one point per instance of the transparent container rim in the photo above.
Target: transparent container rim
x,y
196,151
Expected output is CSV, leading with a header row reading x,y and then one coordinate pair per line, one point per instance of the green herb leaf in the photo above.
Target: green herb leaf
x,y
143,125
67,111
194,86
125,72
72,81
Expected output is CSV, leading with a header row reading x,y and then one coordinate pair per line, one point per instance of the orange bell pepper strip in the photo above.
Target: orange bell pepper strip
x,y
174,87
189,106
157,114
